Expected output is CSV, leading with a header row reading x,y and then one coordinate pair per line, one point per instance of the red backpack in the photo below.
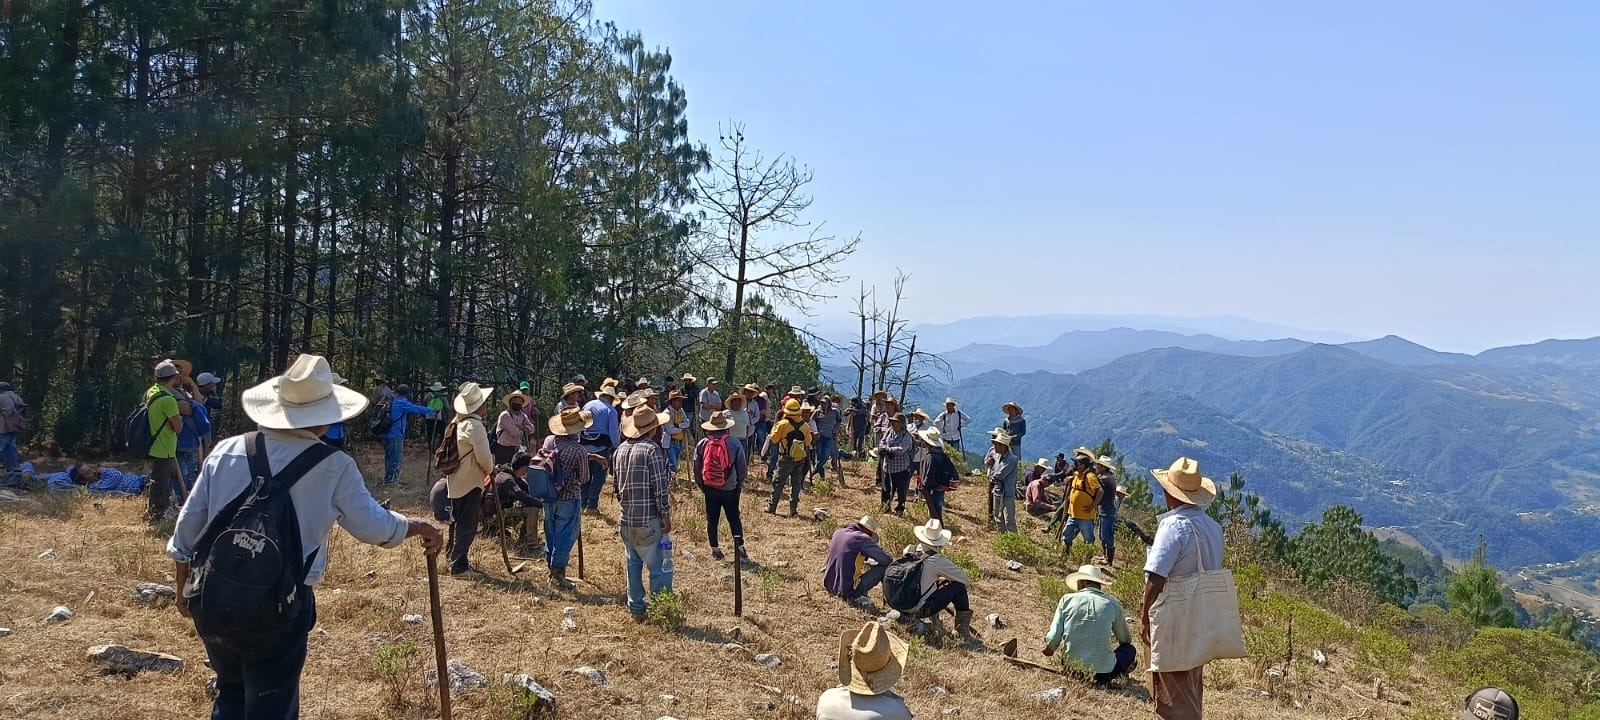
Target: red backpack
x,y
714,465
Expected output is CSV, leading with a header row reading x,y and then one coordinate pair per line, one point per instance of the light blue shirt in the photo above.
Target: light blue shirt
x,y
1184,538
606,419
1084,624
331,492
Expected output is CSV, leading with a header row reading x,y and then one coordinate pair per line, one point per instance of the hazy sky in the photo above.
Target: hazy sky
x,y
1426,169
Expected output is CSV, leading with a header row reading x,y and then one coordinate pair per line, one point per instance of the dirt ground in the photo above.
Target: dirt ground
x,y
99,550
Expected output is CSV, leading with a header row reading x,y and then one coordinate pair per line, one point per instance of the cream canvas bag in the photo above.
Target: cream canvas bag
x,y
1196,619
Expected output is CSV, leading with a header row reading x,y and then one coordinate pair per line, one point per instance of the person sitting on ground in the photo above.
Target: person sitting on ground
x,y
1086,620
871,661
511,490
856,563
944,584
1036,501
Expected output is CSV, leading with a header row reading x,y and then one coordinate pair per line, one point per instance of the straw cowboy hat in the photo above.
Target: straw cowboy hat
x,y
796,390
641,422
304,396
720,420
185,368
470,397
751,388
1089,573
898,418
609,391
1010,405
919,412
868,524
880,395
931,436
871,660
436,387
1084,453
1002,437
689,378
1043,462
571,421
643,382
638,398
1184,481
932,534
1106,462
570,388
506,401
675,395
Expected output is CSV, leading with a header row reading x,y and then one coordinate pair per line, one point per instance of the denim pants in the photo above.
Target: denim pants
x,y
643,546
1108,531
1126,655
825,447
188,472
1076,527
935,498
868,581
672,457
793,474
8,452
265,687
1005,507
393,452
591,489
560,532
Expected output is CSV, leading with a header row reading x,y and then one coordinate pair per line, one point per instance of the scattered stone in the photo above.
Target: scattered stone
x,y
938,689
608,601
732,646
594,674
994,620
770,689
569,625
546,700
119,659
820,514
769,659
781,564
411,619
796,701
1322,660
371,574
152,593
569,611
4,631
1273,672
461,677
670,699
48,554
1014,566
952,711
767,705
833,664
1049,696
60,613
686,552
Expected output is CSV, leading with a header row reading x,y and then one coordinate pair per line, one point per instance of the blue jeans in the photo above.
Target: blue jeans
x,y
1108,531
936,503
772,453
393,452
8,451
188,472
825,447
1076,526
591,489
672,457
643,545
560,532
265,687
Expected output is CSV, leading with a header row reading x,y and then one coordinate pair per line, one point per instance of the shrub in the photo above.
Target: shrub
x,y
1128,588
692,525
1381,654
965,561
1018,547
827,525
895,536
512,702
126,561
1050,591
397,665
667,609
1537,663
771,580
823,487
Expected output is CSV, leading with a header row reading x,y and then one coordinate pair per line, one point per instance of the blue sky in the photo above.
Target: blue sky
x,y
1430,169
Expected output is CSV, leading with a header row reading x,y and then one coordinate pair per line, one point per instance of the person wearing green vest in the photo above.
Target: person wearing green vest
x,y
166,421
434,424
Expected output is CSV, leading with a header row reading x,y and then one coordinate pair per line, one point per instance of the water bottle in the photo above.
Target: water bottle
x,y
666,554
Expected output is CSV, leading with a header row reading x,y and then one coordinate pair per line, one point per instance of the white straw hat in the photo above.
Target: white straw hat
x,y
304,396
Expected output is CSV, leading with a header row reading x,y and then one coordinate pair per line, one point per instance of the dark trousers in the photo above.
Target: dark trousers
x,y
896,485
717,503
869,580
464,514
935,498
1127,655
502,453
162,472
597,483
792,473
265,687
952,593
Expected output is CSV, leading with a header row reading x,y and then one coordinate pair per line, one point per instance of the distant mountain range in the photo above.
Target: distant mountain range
x,y
1447,447
1034,329
1080,350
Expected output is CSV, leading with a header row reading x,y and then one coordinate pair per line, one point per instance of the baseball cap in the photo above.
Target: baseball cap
x,y
166,369
1490,703
206,378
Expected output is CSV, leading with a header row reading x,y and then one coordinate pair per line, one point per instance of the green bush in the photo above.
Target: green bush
x,y
965,561
1050,591
771,581
894,536
1128,588
1381,654
827,525
1018,547
1535,666
397,665
667,609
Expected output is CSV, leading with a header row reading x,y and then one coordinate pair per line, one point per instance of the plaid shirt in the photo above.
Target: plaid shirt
x,y
642,482
572,466
894,451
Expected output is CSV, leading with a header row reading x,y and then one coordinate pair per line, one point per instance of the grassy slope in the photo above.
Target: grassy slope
x,y
500,625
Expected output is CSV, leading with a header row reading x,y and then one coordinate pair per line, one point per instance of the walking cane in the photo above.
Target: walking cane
x,y
738,584
500,514
438,637
580,546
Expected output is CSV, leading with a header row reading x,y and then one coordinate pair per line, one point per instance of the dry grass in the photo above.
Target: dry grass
x,y
505,625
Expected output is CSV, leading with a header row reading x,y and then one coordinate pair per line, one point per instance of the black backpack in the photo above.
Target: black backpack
x,y
245,590
136,429
902,582
382,417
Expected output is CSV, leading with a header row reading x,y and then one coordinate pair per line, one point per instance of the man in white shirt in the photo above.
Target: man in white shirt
x,y
1187,541
951,423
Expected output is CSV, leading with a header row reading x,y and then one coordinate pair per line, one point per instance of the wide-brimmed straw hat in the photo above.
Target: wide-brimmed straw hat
x,y
638,398
571,388
1043,462
1084,453
470,397
898,418
643,382
304,396
931,436
639,423
609,391
751,388
871,660
1184,481
570,421
436,387
689,378
880,395
506,401
951,401
720,420
868,523
1002,437
919,412
932,533
675,395
1106,462
1090,573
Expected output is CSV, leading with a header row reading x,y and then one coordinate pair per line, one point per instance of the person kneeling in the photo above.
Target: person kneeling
x,y
511,489
923,582
856,563
1084,622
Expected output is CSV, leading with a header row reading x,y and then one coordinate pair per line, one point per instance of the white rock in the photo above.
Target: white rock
x,y
120,659
4,631
594,674
764,705
48,554
952,711
411,619
769,659
150,593
1014,566
820,514
546,701
60,613
670,699
568,625
686,552
732,646
666,717
1048,696
770,689
569,611
1322,660
994,620
796,701
371,574
461,677
938,690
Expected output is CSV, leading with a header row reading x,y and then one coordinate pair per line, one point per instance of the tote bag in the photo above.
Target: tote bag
x,y
1196,620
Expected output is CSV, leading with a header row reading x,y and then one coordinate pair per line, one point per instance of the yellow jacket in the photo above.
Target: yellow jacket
x,y
781,431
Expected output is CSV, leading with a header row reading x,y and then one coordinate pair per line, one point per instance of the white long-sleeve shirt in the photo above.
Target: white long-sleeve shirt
x,y
331,492
951,424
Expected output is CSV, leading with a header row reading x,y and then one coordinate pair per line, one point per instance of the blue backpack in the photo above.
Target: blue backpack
x,y
542,482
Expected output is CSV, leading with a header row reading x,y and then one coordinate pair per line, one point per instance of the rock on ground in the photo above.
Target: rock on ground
x,y
411,619
595,675
461,677
60,613
151,593
545,701
1047,696
995,620
769,659
120,659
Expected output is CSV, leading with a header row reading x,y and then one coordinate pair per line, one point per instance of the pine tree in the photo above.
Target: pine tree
x,y
1475,593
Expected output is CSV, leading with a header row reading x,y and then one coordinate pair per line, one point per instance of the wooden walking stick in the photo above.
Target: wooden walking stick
x,y
580,546
500,514
738,584
438,637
